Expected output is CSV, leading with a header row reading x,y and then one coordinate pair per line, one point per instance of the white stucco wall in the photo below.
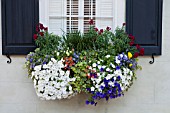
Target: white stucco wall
x,y
149,94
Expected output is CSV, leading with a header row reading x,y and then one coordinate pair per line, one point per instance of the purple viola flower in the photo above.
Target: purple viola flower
x,y
94,97
74,59
87,102
107,98
102,87
98,94
92,92
119,95
125,58
117,67
32,66
88,89
112,80
102,95
92,102
31,60
116,84
111,96
101,69
44,62
109,91
118,78
75,55
119,57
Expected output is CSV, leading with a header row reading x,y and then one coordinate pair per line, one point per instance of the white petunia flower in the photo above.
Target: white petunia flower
x,y
94,65
98,62
37,68
117,60
107,69
52,82
92,88
107,56
112,65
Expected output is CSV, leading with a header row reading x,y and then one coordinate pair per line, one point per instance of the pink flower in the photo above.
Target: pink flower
x,y
91,22
124,24
46,28
136,55
41,26
96,29
108,28
35,36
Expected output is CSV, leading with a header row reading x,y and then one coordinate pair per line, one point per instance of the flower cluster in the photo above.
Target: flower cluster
x,y
110,78
51,82
100,63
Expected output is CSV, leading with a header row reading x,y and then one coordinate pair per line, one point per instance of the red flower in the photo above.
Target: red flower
x,y
41,33
46,28
138,46
141,52
96,29
91,22
131,43
124,24
108,28
41,26
136,55
35,36
101,31
37,29
131,37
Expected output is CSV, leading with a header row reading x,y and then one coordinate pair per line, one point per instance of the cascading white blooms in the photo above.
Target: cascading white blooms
x,y
51,82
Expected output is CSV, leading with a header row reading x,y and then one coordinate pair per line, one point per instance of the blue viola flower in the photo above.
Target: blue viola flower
x,y
101,69
102,87
31,60
119,57
112,80
119,95
107,98
92,102
87,102
109,91
118,78
44,62
94,97
117,67
88,89
98,94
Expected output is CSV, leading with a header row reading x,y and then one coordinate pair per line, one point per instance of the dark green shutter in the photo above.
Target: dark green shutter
x,y
19,20
144,21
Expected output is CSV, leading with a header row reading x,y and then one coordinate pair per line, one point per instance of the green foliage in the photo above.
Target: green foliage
x,y
48,43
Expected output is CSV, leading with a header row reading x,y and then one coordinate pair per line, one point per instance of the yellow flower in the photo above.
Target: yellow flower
x,y
130,65
129,55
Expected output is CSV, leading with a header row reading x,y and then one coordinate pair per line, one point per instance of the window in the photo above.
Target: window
x,y
68,15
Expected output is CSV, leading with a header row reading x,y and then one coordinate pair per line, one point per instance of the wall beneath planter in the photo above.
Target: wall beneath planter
x,y
149,94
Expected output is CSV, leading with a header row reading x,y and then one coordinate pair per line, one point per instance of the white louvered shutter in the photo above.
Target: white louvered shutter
x,y
104,13
57,19
72,15
89,13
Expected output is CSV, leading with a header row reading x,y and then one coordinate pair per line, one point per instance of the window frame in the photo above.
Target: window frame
x,y
118,13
